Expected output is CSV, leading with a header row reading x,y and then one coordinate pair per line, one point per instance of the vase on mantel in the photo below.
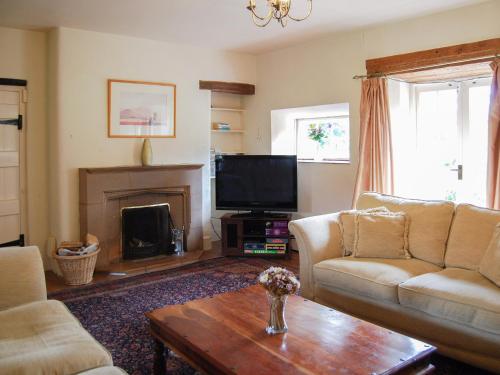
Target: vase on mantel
x,y
147,153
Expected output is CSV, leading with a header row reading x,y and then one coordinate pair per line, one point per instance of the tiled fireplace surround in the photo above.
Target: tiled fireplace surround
x,y
105,191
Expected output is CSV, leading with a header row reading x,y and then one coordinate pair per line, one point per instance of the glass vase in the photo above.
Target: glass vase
x,y
277,323
178,241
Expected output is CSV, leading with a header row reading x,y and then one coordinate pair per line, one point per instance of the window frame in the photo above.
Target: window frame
x,y
463,124
323,160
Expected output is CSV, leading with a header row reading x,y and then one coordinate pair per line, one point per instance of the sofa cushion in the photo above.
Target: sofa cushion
x,y
490,264
381,235
44,338
463,296
429,223
371,277
347,227
108,370
470,235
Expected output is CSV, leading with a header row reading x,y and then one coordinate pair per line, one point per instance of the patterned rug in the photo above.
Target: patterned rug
x,y
113,311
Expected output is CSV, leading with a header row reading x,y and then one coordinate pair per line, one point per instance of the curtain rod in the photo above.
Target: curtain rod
x,y
458,63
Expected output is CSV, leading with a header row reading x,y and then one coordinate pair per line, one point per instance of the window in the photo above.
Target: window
x,y
323,139
316,134
440,150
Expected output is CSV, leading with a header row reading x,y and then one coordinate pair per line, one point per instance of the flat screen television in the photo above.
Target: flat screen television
x,y
256,183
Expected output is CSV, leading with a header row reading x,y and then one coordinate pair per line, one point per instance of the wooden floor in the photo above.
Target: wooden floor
x,y
164,262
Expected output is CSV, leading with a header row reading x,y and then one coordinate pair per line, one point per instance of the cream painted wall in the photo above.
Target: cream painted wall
x,y
81,62
23,56
320,72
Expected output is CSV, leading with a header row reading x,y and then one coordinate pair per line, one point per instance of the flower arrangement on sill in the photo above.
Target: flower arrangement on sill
x,y
319,133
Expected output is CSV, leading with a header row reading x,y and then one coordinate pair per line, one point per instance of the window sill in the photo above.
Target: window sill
x,y
324,161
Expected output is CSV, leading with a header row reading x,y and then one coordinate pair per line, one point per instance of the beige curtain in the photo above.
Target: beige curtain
x,y
493,193
375,169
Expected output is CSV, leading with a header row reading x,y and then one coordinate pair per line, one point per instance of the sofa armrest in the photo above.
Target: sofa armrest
x,y
22,279
318,238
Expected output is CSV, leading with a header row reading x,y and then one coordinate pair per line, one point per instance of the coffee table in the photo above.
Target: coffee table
x,y
225,335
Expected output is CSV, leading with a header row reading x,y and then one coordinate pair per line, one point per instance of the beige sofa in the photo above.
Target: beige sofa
x,y
40,336
437,296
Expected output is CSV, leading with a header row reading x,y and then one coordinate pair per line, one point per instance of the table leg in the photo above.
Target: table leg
x,y
160,361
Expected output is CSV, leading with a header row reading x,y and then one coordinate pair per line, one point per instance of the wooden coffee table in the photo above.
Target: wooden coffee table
x,y
225,335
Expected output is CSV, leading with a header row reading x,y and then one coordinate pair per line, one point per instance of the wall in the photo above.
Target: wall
x,y
320,72
82,62
24,57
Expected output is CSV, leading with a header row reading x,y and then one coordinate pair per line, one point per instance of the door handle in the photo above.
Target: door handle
x,y
460,171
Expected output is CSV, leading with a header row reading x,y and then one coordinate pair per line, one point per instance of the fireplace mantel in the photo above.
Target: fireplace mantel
x,y
105,191
138,168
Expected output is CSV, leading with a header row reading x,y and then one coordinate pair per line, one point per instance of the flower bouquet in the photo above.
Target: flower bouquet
x,y
279,284
319,133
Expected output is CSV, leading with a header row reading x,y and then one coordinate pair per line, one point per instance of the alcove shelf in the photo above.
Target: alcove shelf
x,y
228,109
238,131
227,105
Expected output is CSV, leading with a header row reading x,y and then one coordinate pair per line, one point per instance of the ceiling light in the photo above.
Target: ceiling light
x,y
277,9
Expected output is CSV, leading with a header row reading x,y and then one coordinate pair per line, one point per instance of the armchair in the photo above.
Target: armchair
x,y
22,279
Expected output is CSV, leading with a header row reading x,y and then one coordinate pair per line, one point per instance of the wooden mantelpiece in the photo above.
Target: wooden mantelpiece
x,y
105,191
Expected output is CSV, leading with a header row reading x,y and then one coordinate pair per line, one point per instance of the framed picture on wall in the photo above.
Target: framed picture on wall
x,y
139,109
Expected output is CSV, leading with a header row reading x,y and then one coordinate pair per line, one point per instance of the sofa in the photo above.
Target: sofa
x,y
40,336
437,295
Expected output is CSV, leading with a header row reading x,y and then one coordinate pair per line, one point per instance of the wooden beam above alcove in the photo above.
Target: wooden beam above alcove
x,y
228,87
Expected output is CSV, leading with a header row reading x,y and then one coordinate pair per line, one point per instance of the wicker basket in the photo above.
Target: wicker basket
x,y
77,270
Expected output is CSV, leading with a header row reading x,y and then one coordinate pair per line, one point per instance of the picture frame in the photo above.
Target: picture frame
x,y
141,109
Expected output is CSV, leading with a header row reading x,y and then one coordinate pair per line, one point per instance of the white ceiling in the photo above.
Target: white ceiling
x,y
221,24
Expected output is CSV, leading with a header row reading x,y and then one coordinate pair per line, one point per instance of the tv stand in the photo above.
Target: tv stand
x,y
260,214
252,234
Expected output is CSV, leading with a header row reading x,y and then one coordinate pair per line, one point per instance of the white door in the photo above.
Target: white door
x,y
12,222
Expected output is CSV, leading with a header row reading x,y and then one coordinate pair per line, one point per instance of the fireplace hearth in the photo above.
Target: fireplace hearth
x,y
146,231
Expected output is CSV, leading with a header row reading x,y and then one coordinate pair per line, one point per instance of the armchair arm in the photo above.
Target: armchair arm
x,y
22,279
318,238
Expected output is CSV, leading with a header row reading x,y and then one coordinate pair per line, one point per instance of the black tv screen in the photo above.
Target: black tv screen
x,y
256,182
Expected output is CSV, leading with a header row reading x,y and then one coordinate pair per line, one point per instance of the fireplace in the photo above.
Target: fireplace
x,y
146,231
107,193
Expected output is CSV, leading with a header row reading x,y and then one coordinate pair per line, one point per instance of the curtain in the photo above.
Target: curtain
x,y
375,168
493,184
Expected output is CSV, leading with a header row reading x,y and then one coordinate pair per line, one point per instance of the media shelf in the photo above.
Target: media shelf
x,y
264,235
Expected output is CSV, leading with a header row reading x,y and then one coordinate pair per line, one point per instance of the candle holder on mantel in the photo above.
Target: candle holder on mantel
x,y
147,153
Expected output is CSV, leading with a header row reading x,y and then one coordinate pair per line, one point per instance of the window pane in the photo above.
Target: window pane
x,y
476,147
437,144
323,139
